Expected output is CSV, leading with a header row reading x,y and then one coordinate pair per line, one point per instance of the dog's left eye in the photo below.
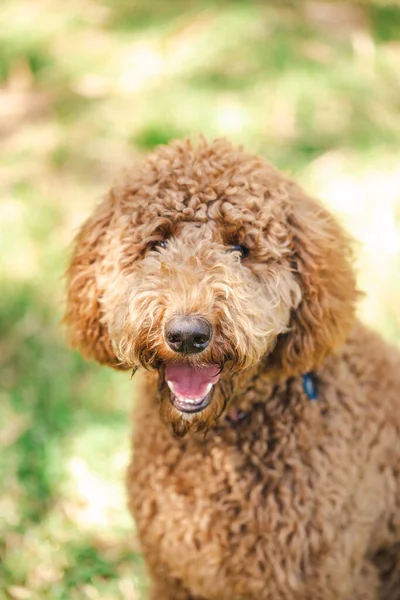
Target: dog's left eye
x,y
243,251
160,244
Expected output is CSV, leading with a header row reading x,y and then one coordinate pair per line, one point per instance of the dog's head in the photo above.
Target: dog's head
x,y
203,262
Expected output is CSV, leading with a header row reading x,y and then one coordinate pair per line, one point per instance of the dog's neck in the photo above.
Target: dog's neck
x,y
238,412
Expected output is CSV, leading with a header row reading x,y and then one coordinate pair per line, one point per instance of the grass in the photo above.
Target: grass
x,y
86,89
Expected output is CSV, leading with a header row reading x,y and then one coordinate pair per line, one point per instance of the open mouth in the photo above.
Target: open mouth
x,y
191,387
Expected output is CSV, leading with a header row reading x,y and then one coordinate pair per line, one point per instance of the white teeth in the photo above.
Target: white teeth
x,y
189,400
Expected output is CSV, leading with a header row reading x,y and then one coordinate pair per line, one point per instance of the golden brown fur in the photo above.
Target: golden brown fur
x,y
297,500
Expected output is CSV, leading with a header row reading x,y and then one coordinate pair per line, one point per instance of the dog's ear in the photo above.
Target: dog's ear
x,y
83,316
322,259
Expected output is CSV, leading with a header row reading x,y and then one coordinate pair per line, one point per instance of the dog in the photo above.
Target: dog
x,y
266,444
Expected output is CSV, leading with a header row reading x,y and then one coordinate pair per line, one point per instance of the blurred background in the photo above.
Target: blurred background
x,y
87,87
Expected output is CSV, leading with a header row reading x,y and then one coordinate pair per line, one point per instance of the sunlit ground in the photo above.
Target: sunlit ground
x,y
86,88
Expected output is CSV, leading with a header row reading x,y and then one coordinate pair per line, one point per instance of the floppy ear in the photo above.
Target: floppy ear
x,y
322,263
83,317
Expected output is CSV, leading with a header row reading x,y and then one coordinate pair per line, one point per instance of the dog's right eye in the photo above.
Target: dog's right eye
x,y
159,244
243,251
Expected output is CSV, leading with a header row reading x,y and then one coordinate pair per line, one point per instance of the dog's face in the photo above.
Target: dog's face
x,y
199,302
204,263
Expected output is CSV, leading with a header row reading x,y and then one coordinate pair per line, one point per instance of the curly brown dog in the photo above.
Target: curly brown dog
x,y
267,433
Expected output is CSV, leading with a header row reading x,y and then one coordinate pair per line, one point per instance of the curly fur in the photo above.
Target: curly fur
x,y
298,500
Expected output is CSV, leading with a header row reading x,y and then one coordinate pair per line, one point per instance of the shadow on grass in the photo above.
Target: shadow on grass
x,y
51,388
51,399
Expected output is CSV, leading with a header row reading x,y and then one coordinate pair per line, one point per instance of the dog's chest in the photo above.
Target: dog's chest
x,y
231,508
262,509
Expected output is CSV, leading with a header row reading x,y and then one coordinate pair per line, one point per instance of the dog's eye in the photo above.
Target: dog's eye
x,y
159,244
243,251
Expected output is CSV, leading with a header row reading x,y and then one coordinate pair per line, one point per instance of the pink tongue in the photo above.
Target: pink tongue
x,y
191,382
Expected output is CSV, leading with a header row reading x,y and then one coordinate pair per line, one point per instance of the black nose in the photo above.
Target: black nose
x,y
188,334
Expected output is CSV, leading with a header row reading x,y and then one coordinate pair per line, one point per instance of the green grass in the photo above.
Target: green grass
x,y
86,89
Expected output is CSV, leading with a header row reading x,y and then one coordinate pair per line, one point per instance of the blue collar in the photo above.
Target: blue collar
x,y
310,386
